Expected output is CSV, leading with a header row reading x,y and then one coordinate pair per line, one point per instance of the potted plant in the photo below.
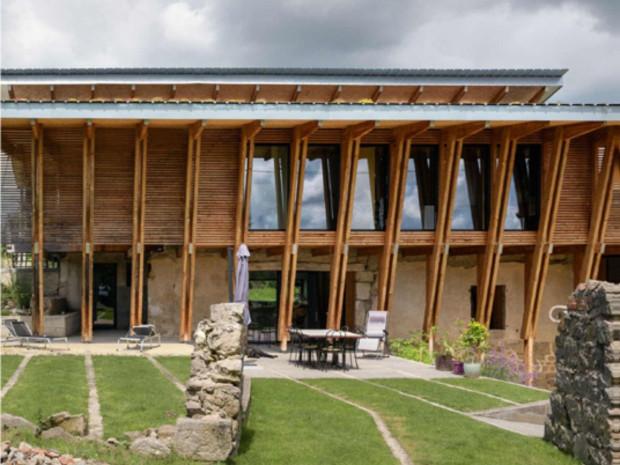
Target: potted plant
x,y
474,341
446,346
457,361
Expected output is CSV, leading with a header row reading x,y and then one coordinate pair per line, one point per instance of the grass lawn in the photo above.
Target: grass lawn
x,y
178,366
49,384
454,398
435,436
510,391
134,395
9,365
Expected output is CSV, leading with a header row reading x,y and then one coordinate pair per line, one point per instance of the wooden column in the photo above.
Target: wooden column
x,y
88,221
450,155
299,154
189,232
401,150
137,246
601,207
538,262
500,192
38,253
350,153
244,184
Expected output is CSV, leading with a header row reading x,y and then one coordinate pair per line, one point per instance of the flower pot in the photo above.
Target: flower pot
x,y
472,370
457,367
443,362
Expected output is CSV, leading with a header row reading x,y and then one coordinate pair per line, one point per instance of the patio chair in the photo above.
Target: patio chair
x,y
20,331
375,334
140,335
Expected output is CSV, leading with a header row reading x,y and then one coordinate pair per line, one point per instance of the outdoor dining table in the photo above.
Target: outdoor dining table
x,y
324,334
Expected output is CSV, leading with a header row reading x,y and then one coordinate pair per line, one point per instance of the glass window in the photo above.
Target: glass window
x,y
321,195
524,199
471,204
421,190
270,179
370,203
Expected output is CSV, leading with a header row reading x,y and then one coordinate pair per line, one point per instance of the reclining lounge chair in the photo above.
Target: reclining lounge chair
x,y
375,334
141,335
21,332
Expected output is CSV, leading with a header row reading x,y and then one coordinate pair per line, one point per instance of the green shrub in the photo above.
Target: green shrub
x,y
17,292
413,348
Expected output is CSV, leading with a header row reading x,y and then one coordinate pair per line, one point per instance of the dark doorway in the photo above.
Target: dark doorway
x,y
311,299
104,296
612,270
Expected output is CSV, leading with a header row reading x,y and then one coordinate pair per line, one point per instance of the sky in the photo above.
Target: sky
x,y
583,36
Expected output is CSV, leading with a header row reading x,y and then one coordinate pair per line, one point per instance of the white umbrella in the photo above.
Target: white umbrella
x,y
242,287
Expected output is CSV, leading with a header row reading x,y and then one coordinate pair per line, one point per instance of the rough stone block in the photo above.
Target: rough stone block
x,y
150,447
209,440
362,291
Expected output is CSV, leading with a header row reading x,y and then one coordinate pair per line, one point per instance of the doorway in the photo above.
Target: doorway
x,y
104,296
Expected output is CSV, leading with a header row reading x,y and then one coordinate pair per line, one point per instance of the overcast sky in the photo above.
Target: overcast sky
x,y
583,36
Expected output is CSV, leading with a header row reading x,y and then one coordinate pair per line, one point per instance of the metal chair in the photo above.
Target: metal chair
x,y
20,331
334,345
140,335
375,334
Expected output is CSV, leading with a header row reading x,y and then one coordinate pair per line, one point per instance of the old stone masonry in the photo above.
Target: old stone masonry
x,y
212,429
585,408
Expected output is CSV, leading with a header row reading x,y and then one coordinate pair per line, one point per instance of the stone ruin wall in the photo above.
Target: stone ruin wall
x,y
585,407
215,390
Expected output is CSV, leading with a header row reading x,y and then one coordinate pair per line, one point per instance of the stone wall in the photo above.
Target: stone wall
x,y
214,393
585,407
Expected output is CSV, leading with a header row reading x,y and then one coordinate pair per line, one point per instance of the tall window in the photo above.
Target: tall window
x,y
370,203
270,180
421,191
471,205
524,199
319,205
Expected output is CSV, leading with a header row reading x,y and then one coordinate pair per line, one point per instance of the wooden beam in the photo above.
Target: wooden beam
x,y
38,251
137,247
133,91
398,182
415,96
601,208
368,251
93,88
189,231
538,95
216,92
336,94
450,155
321,251
299,152
572,131
377,93
459,95
255,93
296,93
274,251
500,95
173,91
52,94
11,90
88,252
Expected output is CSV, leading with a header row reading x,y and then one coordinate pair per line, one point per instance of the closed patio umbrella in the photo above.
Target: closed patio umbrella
x,y
242,281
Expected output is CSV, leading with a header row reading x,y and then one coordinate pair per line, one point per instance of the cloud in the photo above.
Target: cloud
x,y
582,36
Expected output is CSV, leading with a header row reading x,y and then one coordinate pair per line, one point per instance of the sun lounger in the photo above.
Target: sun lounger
x,y
141,335
20,331
375,334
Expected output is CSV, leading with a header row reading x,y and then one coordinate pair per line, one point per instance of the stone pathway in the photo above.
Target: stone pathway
x,y
95,421
13,379
173,379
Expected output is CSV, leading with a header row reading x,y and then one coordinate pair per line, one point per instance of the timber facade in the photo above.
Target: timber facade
x,y
430,194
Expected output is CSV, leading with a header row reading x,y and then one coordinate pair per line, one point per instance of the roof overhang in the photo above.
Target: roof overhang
x,y
296,112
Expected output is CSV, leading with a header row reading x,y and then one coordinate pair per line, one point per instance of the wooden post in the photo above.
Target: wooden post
x,y
539,260
88,249
600,209
189,233
38,252
350,154
450,156
293,221
137,248
398,183
500,192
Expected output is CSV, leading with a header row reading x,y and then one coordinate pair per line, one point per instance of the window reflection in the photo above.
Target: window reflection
x,y
370,203
471,204
270,180
321,193
421,190
524,199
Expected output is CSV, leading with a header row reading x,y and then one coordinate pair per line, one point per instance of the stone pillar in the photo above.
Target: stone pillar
x,y
212,429
585,407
